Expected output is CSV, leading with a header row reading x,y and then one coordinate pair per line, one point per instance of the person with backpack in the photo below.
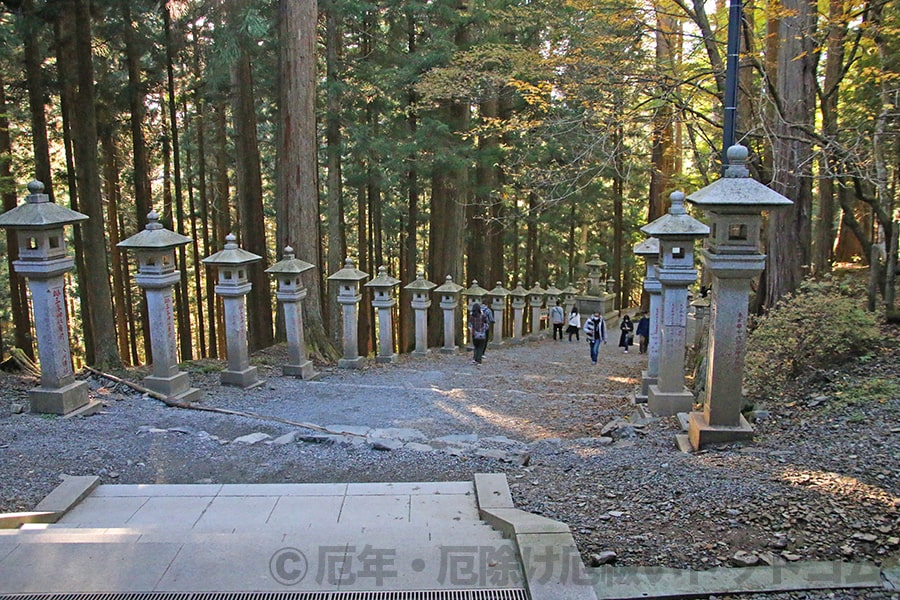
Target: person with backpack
x,y
557,318
478,330
595,331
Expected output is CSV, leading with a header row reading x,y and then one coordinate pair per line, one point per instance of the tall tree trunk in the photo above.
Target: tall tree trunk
x,y
297,171
790,229
203,210
364,314
220,223
825,230
30,25
250,202
18,290
663,132
121,297
96,278
409,255
337,232
182,293
139,155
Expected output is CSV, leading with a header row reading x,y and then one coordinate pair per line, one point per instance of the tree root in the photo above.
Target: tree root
x,y
169,401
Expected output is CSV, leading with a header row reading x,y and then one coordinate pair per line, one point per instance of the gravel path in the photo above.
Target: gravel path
x,y
821,482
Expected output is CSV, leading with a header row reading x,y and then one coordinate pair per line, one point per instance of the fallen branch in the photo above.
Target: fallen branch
x,y
170,401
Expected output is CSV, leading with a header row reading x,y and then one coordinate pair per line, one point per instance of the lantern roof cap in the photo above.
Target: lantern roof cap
x,y
38,212
349,272
736,189
382,280
475,290
519,290
570,289
420,284
676,223
448,287
553,290
537,289
231,254
499,291
595,262
289,265
154,236
649,247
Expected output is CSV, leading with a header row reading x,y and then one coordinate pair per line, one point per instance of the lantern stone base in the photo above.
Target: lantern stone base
x,y
351,363
499,344
247,378
386,358
641,396
702,433
301,371
667,404
177,386
421,353
451,350
58,401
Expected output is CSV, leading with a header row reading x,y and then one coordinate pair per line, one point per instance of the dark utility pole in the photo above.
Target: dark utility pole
x,y
735,11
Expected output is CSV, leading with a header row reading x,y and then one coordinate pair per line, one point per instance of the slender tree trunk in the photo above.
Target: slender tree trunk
x,y
220,225
250,202
84,127
18,289
182,292
409,255
203,211
140,160
113,198
337,233
297,171
29,28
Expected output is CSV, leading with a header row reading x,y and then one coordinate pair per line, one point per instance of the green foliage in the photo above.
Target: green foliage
x,y
822,325
868,390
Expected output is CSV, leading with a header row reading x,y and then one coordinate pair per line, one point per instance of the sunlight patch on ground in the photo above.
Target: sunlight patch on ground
x,y
623,380
522,427
838,485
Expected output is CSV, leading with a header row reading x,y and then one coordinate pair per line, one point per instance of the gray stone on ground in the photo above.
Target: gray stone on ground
x,y
417,447
361,430
603,558
404,434
288,438
252,438
385,444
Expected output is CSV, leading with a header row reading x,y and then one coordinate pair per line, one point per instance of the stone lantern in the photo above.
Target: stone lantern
x,y
649,251
449,292
595,275
676,231
518,295
568,297
348,297
552,294
535,302
697,321
232,263
382,287
290,294
498,297
734,204
40,228
421,302
474,294
156,275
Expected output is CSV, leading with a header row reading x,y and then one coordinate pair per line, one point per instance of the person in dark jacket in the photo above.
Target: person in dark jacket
x,y
627,328
643,330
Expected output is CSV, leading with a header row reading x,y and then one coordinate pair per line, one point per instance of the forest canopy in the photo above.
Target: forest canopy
x,y
492,140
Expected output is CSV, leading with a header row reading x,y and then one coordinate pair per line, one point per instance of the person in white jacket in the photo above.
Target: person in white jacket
x,y
574,324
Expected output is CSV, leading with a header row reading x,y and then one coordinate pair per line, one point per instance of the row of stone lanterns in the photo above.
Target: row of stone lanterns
x,y
734,205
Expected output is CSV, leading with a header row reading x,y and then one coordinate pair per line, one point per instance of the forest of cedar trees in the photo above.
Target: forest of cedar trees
x,y
491,140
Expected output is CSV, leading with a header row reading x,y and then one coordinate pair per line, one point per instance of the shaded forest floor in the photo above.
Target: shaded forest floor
x,y
821,481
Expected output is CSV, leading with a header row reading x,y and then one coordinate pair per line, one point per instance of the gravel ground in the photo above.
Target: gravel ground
x,y
820,482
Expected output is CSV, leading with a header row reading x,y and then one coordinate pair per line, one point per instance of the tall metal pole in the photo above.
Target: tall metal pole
x,y
735,10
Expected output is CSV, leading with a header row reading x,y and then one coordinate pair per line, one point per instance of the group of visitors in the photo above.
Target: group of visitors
x,y
481,318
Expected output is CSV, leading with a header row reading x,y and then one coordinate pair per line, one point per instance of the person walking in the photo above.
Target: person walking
x,y
574,324
478,330
643,330
627,336
595,330
557,318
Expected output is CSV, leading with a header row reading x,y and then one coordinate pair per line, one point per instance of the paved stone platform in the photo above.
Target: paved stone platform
x,y
268,537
